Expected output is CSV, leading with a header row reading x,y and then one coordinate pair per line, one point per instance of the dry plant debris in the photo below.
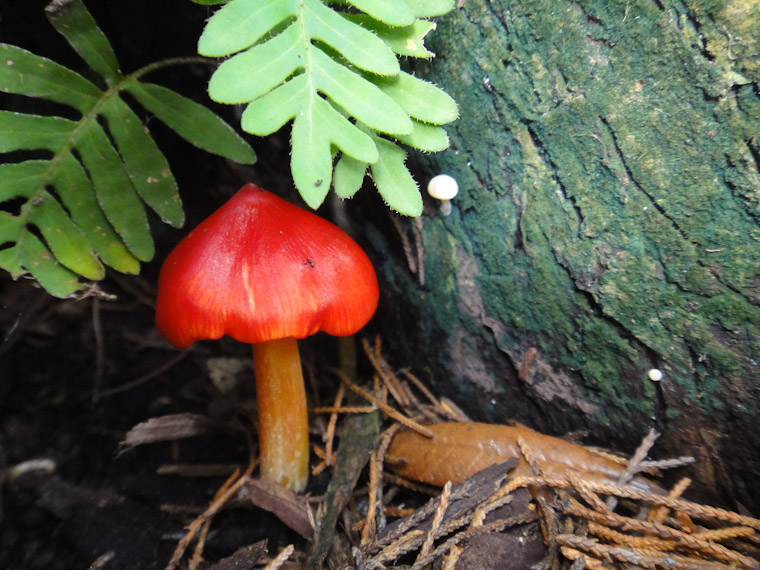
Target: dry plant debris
x,y
560,519
577,516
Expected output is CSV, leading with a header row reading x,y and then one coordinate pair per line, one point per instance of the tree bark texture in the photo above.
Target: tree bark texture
x,y
607,223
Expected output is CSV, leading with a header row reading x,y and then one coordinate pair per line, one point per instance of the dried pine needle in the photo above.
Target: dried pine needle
x,y
385,408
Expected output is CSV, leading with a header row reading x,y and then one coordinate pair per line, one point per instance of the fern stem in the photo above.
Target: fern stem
x,y
91,115
112,91
166,63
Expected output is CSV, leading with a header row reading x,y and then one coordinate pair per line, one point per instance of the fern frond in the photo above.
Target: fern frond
x,y
84,206
335,75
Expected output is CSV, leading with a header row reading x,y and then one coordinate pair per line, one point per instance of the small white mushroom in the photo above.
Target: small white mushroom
x,y
444,188
655,375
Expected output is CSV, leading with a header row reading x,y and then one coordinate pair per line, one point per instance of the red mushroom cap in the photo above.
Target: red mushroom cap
x,y
260,268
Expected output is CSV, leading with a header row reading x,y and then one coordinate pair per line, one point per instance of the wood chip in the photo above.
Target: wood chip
x,y
243,558
168,428
291,509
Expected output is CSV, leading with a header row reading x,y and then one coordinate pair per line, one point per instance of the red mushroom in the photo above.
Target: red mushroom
x,y
266,272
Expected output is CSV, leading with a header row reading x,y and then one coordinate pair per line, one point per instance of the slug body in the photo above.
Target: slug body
x,y
459,450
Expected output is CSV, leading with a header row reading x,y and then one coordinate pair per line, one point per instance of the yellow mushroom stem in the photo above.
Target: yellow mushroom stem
x,y
283,419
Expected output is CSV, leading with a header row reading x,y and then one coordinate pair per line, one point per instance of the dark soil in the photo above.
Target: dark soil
x,y
94,496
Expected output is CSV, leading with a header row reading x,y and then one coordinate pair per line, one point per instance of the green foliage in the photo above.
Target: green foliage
x,y
81,199
334,73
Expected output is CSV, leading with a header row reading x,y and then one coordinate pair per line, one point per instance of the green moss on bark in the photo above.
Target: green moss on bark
x,y
608,158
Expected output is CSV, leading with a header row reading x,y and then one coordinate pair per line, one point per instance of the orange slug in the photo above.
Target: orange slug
x,y
459,450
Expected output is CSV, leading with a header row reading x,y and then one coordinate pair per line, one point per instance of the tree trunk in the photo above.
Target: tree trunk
x,y
607,224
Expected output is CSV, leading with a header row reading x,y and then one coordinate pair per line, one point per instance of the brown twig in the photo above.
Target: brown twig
x,y
411,485
281,558
377,457
197,557
331,425
680,539
587,494
420,247
529,456
630,557
97,332
634,464
322,465
693,509
433,533
581,559
344,410
225,493
147,377
422,388
450,560
386,374
411,259
411,533
385,408
658,514
197,470
637,542
495,526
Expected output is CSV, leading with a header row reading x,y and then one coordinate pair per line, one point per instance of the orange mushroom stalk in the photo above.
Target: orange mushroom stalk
x,y
266,272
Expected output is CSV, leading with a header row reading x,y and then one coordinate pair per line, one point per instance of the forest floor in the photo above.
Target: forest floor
x,y
77,378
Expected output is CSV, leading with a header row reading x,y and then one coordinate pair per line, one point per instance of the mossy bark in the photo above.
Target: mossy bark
x,y
608,223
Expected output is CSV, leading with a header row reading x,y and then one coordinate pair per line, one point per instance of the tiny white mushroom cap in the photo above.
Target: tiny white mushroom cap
x,y
444,188
655,375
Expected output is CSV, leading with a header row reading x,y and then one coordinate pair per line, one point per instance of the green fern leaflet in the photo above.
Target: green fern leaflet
x,y
81,206
333,71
